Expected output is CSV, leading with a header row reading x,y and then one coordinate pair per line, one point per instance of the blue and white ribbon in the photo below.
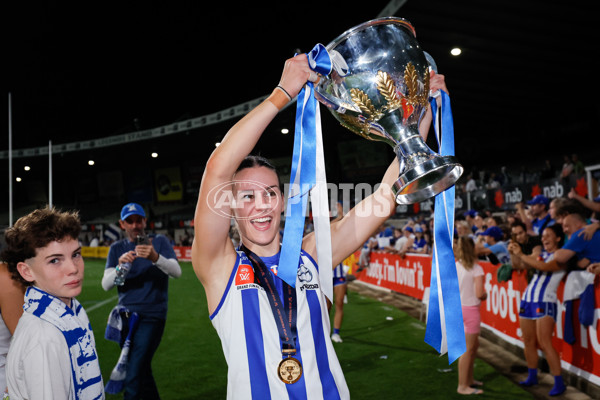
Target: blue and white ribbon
x,y
445,330
308,176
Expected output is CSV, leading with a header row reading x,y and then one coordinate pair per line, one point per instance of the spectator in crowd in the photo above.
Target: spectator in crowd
x,y
493,182
470,281
566,170
504,177
420,245
140,269
586,251
470,218
555,204
593,205
11,309
578,167
494,247
471,185
538,217
463,229
548,170
53,351
95,242
530,245
405,243
478,224
538,309
571,206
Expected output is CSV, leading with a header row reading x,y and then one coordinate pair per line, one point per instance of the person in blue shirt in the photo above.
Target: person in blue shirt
x,y
140,268
494,245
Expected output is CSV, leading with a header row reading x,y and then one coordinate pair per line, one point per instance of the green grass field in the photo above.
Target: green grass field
x,y
383,354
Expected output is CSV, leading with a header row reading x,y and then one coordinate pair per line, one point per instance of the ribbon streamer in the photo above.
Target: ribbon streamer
x,y
445,330
308,176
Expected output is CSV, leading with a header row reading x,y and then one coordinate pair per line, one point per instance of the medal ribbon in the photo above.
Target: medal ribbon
x,y
308,172
445,330
285,313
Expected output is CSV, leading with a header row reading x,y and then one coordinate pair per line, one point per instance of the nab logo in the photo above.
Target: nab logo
x,y
244,275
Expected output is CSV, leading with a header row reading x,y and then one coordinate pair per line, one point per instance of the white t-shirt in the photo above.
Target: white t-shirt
x,y
400,243
38,365
466,283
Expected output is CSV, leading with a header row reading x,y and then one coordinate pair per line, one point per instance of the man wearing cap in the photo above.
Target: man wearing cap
x,y
538,210
140,268
470,218
494,245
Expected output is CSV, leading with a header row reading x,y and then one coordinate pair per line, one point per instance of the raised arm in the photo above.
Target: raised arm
x,y
213,254
358,225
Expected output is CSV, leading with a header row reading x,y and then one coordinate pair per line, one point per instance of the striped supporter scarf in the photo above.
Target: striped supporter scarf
x,y
114,329
74,325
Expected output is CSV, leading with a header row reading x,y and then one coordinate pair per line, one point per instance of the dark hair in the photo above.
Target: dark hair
x,y
252,161
558,231
35,231
570,206
519,223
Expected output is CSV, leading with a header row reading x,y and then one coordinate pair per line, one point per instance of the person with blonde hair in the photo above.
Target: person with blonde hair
x,y
470,280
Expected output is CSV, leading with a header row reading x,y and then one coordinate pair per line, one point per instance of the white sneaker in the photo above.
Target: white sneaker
x,y
336,338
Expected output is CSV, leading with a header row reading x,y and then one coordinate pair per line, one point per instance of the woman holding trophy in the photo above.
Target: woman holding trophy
x,y
275,337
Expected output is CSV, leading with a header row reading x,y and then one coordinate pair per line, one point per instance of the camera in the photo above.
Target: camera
x,y
142,240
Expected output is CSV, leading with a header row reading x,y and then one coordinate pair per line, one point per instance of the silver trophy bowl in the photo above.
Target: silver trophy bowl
x,y
379,89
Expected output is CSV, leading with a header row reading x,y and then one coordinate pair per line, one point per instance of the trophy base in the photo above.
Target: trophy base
x,y
427,180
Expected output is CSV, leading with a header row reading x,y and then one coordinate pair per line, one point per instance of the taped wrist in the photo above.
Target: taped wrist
x,y
279,97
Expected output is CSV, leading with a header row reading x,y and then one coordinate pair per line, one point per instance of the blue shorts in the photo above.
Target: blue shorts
x,y
339,281
537,309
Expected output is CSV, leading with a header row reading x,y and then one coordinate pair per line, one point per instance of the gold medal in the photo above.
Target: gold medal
x,y
290,370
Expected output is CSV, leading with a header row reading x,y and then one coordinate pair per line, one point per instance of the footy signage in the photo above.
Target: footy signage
x,y
577,344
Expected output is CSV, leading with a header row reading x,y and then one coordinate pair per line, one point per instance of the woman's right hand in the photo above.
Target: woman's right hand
x,y
296,73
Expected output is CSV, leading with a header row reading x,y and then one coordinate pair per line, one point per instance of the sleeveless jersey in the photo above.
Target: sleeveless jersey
x,y
338,271
249,336
543,284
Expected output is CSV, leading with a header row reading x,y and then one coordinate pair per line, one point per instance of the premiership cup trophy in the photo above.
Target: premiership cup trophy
x,y
379,89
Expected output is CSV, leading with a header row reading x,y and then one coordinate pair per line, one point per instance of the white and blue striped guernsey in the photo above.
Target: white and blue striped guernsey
x,y
250,339
543,284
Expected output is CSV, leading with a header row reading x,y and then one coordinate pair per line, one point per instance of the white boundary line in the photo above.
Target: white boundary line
x,y
102,303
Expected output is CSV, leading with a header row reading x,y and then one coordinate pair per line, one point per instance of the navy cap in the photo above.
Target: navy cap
x,y
470,213
539,199
408,228
132,209
494,232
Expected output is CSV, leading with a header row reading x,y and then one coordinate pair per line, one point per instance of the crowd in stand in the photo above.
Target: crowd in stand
x,y
572,167
548,241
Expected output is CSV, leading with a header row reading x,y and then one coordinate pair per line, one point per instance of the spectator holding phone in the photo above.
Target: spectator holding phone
x,y
140,268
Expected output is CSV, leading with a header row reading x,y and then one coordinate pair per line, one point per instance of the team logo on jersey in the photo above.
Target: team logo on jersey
x,y
305,276
244,275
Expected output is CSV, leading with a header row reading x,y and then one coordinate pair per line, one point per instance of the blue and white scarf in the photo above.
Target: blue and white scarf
x,y
74,325
114,329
